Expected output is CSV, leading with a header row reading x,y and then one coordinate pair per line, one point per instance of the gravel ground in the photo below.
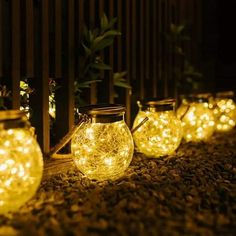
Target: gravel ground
x,y
190,193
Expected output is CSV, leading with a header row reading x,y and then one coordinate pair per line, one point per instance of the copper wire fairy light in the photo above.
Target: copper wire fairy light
x,y
161,134
21,162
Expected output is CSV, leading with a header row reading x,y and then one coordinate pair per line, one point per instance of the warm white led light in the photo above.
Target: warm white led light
x,y
103,150
225,114
21,166
161,134
197,121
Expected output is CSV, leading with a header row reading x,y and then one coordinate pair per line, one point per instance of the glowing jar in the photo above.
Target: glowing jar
x,y
224,109
21,161
161,134
103,148
197,119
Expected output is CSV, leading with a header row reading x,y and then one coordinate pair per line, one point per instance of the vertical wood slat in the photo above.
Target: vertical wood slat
x,y
119,40
79,18
58,38
141,46
1,39
159,45
147,51
65,94
165,53
111,58
6,43
128,60
15,53
71,64
93,93
45,75
134,40
39,100
155,43
169,51
29,21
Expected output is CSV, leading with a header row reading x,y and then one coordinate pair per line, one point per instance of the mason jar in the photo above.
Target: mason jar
x,y
103,147
161,134
21,161
196,117
224,109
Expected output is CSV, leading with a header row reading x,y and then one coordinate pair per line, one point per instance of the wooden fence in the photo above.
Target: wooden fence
x,y
39,40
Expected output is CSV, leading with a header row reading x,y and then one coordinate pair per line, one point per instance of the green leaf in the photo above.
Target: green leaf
x,y
86,84
91,36
97,40
103,44
179,51
122,84
100,66
180,28
112,33
87,50
120,81
112,22
104,22
119,74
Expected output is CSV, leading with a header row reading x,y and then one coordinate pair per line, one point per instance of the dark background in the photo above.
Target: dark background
x,y
219,44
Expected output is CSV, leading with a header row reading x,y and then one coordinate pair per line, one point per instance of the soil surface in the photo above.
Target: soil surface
x,y
192,192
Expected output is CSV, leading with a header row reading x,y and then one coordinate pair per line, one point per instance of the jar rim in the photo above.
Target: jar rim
x,y
225,94
158,104
103,109
198,98
11,114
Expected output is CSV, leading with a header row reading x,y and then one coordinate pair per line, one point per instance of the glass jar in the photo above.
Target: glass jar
x,y
197,118
161,134
103,148
21,161
224,109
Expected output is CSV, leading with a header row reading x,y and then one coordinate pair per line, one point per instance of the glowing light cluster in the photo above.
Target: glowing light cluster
x,y
21,167
225,114
197,121
103,150
160,135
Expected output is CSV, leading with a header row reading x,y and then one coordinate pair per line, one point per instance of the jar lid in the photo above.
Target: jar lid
x,y
103,109
104,113
158,105
225,94
11,115
198,98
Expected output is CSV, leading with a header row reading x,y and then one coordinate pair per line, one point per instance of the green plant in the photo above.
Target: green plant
x,y
91,64
186,77
119,80
4,94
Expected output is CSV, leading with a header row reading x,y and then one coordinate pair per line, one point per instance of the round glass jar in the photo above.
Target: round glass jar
x,y
197,118
161,134
21,161
103,148
224,109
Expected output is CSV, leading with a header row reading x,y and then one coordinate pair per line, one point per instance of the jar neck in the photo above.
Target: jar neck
x,y
15,123
157,105
12,119
107,118
104,113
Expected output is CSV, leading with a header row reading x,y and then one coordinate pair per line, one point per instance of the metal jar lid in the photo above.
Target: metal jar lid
x,y
158,105
104,113
11,115
13,119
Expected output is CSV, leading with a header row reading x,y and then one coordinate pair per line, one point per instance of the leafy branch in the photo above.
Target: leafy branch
x,y
119,80
187,78
90,61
